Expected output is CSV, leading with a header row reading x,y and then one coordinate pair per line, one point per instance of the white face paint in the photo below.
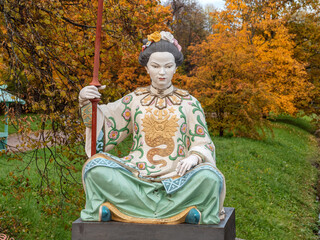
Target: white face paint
x,y
161,68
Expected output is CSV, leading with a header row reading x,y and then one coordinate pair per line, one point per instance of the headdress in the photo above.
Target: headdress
x,y
156,37
160,42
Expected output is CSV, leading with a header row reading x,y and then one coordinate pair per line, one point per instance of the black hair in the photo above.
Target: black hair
x,y
161,46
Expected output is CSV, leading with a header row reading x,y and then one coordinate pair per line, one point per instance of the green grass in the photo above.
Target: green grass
x,y
304,122
29,213
270,183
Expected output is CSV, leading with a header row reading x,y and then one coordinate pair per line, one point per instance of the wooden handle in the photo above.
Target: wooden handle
x,y
95,78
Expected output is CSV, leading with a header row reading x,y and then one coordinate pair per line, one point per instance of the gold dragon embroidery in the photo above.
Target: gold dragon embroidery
x,y
159,130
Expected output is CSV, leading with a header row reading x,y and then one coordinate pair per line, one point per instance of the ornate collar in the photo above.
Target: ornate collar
x,y
170,96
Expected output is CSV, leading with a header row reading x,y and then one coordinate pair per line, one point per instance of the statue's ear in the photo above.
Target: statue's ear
x,y
147,69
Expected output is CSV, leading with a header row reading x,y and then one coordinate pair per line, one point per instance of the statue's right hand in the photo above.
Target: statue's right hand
x,y
89,92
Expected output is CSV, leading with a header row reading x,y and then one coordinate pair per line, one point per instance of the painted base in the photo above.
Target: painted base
x,y
225,230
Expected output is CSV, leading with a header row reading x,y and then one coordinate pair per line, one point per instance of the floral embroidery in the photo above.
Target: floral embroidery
x,y
144,166
183,128
210,147
129,157
181,150
136,128
137,144
158,125
188,142
113,134
127,114
199,130
141,165
127,99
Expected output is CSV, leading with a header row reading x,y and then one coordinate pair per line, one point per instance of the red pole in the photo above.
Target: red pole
x,y
94,103
95,79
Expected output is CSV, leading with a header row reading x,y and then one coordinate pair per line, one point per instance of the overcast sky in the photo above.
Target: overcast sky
x,y
216,3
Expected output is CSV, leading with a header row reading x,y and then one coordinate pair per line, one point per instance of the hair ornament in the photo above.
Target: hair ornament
x,y
167,36
156,37
175,42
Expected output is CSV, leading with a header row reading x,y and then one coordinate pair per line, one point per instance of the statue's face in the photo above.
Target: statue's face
x,y
161,68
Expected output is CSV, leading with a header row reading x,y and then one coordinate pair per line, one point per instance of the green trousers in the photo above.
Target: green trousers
x,y
141,199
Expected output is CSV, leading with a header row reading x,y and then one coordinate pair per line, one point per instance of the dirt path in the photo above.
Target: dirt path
x,y
17,142
14,140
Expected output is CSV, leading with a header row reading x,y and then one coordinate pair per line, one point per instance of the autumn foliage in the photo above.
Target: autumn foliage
x,y
254,60
47,57
246,69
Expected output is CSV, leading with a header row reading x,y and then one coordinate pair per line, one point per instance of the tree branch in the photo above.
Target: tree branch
x,y
67,19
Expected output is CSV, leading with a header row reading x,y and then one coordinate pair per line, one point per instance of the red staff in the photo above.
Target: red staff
x,y
95,79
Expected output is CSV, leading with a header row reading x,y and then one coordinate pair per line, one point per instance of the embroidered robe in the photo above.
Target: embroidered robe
x,y
166,127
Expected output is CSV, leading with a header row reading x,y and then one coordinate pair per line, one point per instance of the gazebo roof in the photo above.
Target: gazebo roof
x,y
8,97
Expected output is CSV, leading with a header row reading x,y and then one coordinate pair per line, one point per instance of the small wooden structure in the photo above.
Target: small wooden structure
x,y
6,98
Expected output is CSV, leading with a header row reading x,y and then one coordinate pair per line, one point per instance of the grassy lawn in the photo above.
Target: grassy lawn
x,y
29,213
270,183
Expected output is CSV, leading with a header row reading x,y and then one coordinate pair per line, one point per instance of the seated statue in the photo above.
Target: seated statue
x,y
170,175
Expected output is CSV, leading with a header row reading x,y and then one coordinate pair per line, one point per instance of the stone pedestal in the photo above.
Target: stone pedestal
x,y
225,230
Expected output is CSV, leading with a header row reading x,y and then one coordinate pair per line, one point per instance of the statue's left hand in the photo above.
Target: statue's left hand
x,y
187,163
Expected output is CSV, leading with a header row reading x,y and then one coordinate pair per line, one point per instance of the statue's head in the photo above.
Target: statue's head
x,y
161,55
160,42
